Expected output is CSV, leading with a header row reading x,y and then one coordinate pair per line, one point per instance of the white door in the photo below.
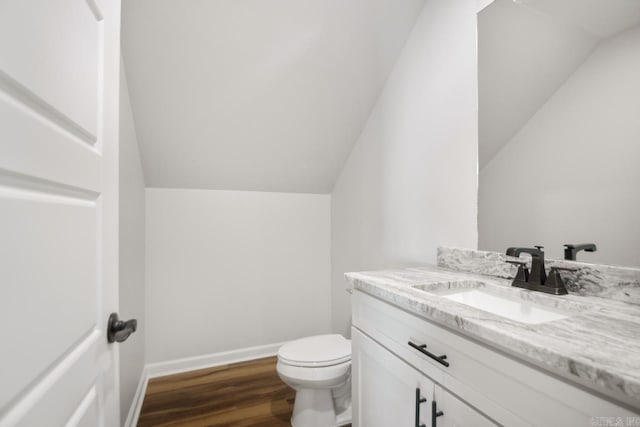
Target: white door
x,y
385,391
59,77
453,412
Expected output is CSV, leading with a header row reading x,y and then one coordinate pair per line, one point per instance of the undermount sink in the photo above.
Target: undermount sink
x,y
505,302
520,311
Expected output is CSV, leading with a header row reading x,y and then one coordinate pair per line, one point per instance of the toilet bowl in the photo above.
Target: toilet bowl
x,y
318,368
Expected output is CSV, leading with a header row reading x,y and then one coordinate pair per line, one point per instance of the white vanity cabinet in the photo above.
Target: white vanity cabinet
x,y
396,352
390,392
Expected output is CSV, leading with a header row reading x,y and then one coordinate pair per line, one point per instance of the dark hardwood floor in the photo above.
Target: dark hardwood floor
x,y
242,394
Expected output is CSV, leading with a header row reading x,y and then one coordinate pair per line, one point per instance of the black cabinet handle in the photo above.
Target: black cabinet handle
x,y
435,413
423,349
419,400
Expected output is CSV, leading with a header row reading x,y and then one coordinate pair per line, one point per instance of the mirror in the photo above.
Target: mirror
x,y
559,127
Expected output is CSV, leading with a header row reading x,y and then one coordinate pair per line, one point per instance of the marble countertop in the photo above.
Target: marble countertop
x,y
599,344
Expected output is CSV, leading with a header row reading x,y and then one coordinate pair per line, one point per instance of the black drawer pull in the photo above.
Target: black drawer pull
x,y
423,349
419,400
435,414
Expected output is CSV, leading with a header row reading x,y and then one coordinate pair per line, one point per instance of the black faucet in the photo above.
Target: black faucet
x,y
537,280
538,273
571,250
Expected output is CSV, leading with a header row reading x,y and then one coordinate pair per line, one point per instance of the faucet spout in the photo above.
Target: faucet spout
x,y
571,250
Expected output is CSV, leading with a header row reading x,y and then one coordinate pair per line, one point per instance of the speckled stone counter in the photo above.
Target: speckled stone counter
x,y
599,343
606,281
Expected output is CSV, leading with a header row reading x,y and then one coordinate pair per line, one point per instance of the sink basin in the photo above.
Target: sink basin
x,y
518,310
517,305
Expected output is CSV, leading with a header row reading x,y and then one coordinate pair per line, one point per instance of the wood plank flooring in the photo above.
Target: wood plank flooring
x,y
242,394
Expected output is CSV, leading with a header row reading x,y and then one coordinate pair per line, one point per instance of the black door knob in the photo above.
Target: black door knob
x,y
119,330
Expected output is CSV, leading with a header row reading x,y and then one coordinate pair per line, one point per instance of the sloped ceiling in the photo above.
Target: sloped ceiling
x,y
527,49
523,57
254,94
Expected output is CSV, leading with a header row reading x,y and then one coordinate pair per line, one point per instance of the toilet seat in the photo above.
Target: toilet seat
x,y
318,368
317,351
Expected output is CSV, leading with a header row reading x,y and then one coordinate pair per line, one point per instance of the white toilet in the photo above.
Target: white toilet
x,y
318,368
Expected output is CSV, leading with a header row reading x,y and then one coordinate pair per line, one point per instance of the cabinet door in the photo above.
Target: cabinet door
x,y
386,390
453,412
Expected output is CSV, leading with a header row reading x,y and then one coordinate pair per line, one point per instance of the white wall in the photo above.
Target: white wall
x,y
571,174
519,72
132,217
229,270
410,183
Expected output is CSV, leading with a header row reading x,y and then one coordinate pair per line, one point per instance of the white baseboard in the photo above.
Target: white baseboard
x,y
169,367
138,398
210,360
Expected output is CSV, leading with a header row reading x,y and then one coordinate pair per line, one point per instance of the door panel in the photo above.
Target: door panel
x,y
59,393
51,55
385,391
52,273
87,412
456,413
59,85
36,148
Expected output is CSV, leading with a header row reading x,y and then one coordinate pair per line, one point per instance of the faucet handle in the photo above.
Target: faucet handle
x,y
523,272
555,282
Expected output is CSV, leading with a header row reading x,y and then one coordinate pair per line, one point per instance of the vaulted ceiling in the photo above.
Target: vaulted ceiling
x,y
254,94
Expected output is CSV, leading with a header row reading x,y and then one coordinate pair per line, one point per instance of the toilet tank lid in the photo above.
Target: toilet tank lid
x,y
316,349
